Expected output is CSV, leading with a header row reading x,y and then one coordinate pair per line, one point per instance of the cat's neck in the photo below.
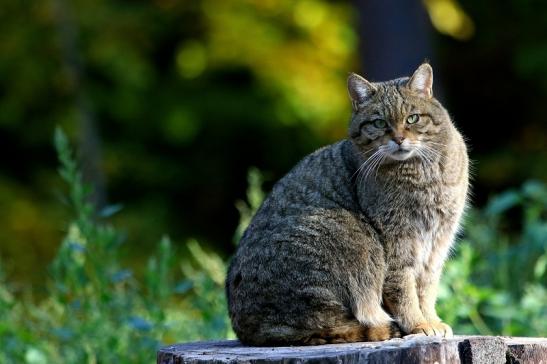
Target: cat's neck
x,y
395,178
416,169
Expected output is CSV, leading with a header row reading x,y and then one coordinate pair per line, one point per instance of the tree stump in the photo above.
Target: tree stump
x,y
410,349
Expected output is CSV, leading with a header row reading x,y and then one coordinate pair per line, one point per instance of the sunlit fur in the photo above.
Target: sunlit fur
x,y
350,244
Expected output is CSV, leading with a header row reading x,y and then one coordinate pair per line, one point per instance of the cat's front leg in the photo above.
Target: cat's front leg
x,y
401,299
404,302
427,286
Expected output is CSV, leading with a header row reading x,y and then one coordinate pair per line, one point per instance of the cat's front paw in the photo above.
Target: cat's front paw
x,y
433,329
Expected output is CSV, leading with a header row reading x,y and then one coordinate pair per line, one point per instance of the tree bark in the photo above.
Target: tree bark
x,y
411,349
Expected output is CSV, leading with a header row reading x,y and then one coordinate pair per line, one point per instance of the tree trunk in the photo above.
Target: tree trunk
x,y
395,37
89,143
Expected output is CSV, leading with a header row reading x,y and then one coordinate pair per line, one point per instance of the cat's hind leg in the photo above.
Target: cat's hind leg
x,y
370,323
365,285
383,332
353,332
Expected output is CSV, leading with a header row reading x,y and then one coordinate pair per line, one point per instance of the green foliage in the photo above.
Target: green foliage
x,y
96,310
255,196
496,284
184,104
167,84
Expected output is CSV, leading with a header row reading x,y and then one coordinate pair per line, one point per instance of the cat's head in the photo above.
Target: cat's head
x,y
399,119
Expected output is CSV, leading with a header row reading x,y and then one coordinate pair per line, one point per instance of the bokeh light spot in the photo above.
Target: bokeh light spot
x,y
309,14
191,59
449,18
180,126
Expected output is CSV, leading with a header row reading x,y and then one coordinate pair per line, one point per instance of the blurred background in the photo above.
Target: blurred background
x,y
170,103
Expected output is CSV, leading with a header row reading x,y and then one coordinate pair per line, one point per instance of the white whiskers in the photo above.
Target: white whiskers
x,y
370,165
429,154
363,165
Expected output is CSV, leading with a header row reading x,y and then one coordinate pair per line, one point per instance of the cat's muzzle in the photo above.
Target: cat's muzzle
x,y
399,152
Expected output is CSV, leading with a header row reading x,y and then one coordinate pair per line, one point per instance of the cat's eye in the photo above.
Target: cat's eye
x,y
412,119
379,123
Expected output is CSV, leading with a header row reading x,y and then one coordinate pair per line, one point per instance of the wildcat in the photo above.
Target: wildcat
x,y
350,244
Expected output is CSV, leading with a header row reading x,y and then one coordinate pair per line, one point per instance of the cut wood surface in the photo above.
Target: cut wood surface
x,y
411,349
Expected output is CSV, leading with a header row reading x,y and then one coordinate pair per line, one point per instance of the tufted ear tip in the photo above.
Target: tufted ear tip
x,y
422,81
359,89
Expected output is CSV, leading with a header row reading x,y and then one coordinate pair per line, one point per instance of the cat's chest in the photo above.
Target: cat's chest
x,y
414,221
410,208
412,214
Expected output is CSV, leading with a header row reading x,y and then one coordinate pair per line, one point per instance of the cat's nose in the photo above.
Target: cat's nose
x,y
398,139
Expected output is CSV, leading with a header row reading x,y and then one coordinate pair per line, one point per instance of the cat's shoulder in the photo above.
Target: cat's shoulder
x,y
327,158
329,152
324,166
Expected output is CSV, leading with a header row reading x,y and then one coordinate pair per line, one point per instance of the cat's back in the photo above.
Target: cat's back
x,y
291,271
319,183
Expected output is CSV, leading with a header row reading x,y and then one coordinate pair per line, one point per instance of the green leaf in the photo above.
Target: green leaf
x,y
35,356
183,287
535,190
110,210
502,203
540,267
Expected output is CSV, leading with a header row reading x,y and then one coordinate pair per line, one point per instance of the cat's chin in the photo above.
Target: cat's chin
x,y
401,154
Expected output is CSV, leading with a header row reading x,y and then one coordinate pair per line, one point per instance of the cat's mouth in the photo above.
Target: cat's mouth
x,y
398,152
401,153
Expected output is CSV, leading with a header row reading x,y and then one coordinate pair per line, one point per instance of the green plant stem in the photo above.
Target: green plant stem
x,y
479,323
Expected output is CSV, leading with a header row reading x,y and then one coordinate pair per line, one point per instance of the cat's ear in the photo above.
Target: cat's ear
x,y
360,90
421,81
